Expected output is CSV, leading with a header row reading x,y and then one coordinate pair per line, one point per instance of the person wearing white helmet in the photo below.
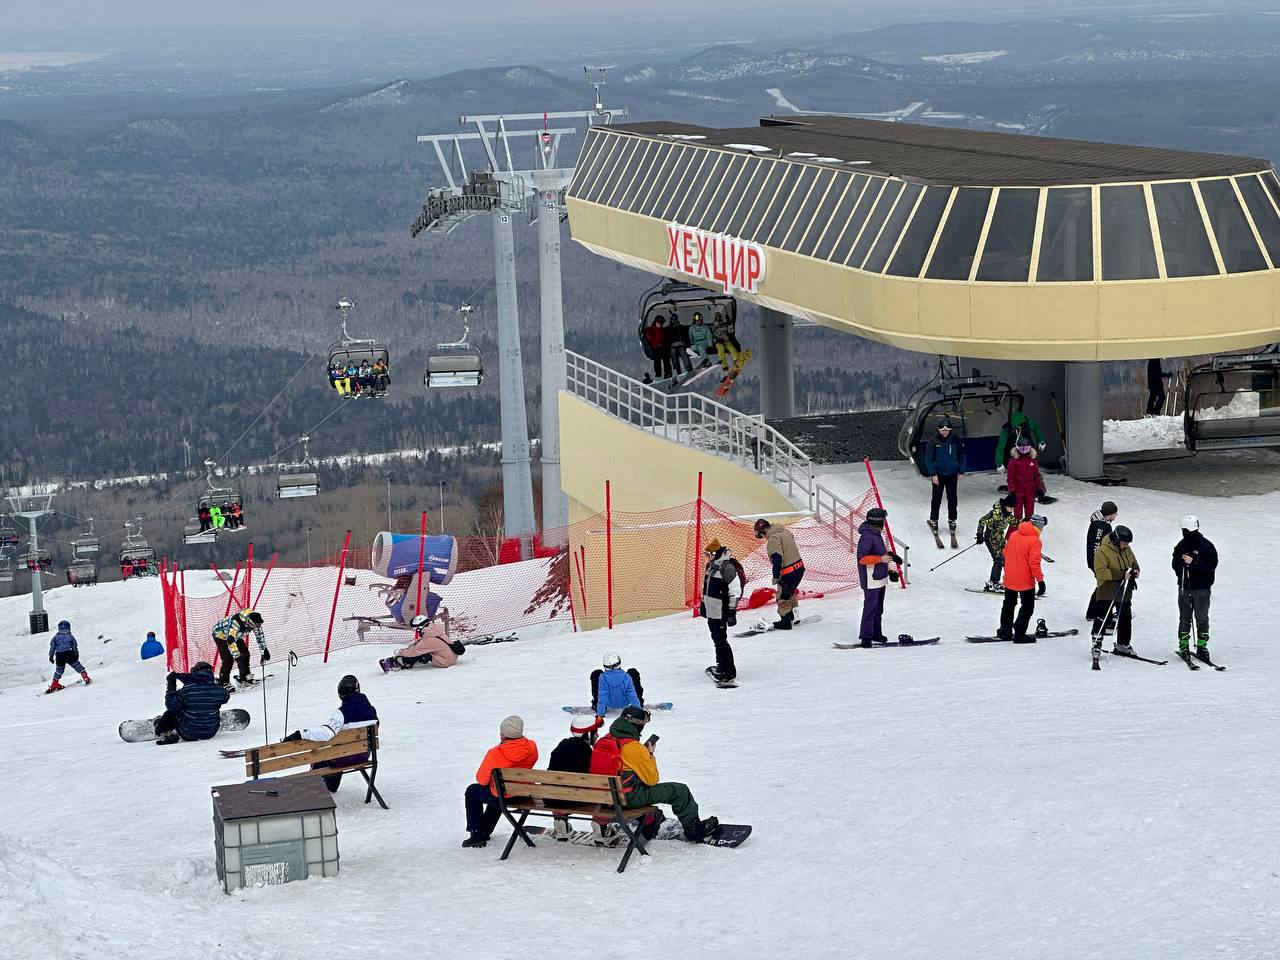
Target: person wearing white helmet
x,y
430,645
613,688
1195,560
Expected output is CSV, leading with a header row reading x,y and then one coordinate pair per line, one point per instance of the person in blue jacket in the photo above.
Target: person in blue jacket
x,y
944,462
353,711
64,652
192,712
614,688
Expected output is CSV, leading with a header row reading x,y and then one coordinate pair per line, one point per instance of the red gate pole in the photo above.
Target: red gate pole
x,y
697,551
231,591
608,548
271,566
248,576
333,611
422,554
186,640
887,532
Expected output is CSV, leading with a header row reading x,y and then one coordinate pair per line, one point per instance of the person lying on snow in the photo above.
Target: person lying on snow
x,y
191,712
354,710
483,809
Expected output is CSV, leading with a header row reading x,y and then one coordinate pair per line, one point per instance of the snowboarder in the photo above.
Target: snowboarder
x,y
788,569
1155,387
874,574
1018,425
1023,579
354,710
1115,571
701,339
722,583
1194,561
430,645
613,688
722,330
944,461
620,753
993,529
573,755
64,652
1024,479
483,810
230,636
190,713
1099,527
677,341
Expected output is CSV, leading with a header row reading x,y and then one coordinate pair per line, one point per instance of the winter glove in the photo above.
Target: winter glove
x,y
731,618
51,658
266,655
893,576
296,735
894,557
1040,589
702,609
979,538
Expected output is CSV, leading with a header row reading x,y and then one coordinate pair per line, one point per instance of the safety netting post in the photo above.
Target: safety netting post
x,y
267,576
422,556
887,531
333,611
186,640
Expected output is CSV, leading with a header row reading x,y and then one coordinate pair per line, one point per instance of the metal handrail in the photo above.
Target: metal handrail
x,y
695,421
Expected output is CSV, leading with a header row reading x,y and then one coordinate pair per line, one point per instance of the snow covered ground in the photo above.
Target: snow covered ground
x,y
955,801
1148,433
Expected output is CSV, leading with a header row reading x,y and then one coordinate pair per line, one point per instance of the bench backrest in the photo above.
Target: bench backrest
x,y
275,757
549,785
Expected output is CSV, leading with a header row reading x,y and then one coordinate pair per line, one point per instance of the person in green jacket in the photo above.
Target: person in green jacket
x,y
1018,423
700,337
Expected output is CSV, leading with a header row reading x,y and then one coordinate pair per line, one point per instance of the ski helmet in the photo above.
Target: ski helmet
x,y
611,660
1039,521
1122,534
876,516
944,423
1190,522
419,622
584,726
202,666
761,528
63,625
637,715
347,686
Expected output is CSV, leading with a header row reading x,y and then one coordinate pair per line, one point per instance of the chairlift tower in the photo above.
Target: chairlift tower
x,y
31,508
503,188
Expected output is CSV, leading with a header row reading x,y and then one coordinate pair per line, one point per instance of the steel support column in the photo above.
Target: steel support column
x,y
776,366
1084,419
555,507
517,482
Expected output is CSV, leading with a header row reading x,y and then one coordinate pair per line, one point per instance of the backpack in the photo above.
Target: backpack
x,y
606,758
742,575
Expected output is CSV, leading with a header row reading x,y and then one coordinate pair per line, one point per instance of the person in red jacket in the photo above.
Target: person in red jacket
x,y
656,336
1023,578
483,810
1024,479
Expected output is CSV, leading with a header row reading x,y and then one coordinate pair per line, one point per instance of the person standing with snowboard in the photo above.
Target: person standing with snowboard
x,y
1099,527
1195,559
993,529
1023,579
191,712
874,574
944,462
1115,571
64,651
722,582
788,569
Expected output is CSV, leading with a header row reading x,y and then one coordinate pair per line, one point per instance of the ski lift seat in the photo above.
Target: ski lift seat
x,y
192,534
136,552
6,572
82,573
454,370
8,537
222,499
292,485
1233,402
358,352
85,546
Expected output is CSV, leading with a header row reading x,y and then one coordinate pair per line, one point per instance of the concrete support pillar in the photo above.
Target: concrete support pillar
x,y
555,507
776,366
1084,419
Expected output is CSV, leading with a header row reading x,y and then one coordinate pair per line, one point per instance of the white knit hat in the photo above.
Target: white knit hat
x,y
512,728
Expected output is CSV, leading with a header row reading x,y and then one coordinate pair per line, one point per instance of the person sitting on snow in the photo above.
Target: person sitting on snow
x,y
483,809
191,712
430,645
354,710
612,688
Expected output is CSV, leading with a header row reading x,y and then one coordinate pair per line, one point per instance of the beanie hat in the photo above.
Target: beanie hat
x,y
511,728
580,726
1108,508
713,546
876,516
1009,501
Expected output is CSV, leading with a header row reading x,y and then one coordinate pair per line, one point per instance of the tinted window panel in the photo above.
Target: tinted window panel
x,y
672,179
627,173
1007,254
713,197
1273,186
762,190
687,183
742,192
804,217
592,189
1066,240
702,182
920,232
662,168
1263,213
958,242
639,177
893,228
617,169
1127,251
586,163
874,222
824,212
765,216
1182,235
839,241
790,210
1240,253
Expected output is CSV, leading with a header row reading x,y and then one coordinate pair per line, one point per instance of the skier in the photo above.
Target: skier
x,y
430,645
788,569
1023,579
1155,387
64,651
612,688
1099,526
192,712
483,810
1017,426
993,528
620,753
873,574
1194,561
573,755
1115,570
1024,479
656,336
230,636
944,462
353,711
722,583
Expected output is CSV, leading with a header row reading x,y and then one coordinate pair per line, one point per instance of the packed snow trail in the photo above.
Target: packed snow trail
x,y
958,801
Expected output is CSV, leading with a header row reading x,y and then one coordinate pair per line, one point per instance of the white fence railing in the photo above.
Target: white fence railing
x,y
692,419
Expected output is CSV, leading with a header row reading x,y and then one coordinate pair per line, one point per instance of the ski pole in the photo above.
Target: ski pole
x,y
288,680
953,556
266,737
1112,606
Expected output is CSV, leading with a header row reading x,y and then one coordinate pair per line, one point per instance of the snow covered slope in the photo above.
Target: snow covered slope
x,y
941,803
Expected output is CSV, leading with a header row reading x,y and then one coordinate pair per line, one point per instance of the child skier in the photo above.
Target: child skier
x,y
612,688
1024,478
64,651
993,528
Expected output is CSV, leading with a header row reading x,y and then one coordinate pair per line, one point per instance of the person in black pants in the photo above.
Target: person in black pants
x,y
1155,387
721,590
1023,579
944,462
1099,529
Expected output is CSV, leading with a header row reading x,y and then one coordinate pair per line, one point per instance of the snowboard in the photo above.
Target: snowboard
x,y
139,731
491,638
989,593
756,631
1052,633
727,383
587,711
722,684
726,835
891,643
674,384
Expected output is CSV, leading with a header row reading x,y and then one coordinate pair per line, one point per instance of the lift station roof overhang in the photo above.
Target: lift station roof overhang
x,y
989,245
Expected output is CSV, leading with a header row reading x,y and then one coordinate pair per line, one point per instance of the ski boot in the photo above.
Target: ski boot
x,y
168,739
702,829
933,525
1202,653
249,681
784,623
866,643
54,687
562,831
606,835
1122,650
84,675
1097,653
992,587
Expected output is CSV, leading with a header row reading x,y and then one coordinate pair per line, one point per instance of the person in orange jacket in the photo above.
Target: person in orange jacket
x,y
1023,579
483,810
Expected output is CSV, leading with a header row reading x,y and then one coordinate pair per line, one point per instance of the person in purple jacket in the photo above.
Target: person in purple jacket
x,y
874,574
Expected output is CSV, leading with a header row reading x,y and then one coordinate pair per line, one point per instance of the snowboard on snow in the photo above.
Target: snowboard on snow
x,y
587,711
1039,636
989,593
139,731
756,631
726,835
891,643
722,684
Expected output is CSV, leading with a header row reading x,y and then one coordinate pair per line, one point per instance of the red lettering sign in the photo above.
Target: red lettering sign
x,y
735,264
673,245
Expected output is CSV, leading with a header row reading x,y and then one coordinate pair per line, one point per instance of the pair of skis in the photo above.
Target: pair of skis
x,y
1193,661
937,538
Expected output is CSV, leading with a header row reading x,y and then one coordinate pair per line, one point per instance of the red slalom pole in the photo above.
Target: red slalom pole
x,y
231,591
608,548
887,532
422,555
333,611
271,566
697,551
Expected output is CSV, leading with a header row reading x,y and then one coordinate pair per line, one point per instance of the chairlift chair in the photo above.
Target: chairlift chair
x,y
136,552
223,498
6,569
8,533
1233,402
350,350
978,407
194,536
82,573
456,363
40,559
86,544
296,480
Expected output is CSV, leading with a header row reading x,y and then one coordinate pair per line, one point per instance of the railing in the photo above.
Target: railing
x,y
695,421
839,515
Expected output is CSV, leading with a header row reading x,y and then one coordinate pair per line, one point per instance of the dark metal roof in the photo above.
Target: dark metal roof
x,y
947,155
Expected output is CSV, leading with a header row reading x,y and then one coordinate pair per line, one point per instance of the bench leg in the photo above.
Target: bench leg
x,y
517,832
635,838
373,791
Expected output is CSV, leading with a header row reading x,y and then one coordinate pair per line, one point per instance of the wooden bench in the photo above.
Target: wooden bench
x,y
274,757
585,796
